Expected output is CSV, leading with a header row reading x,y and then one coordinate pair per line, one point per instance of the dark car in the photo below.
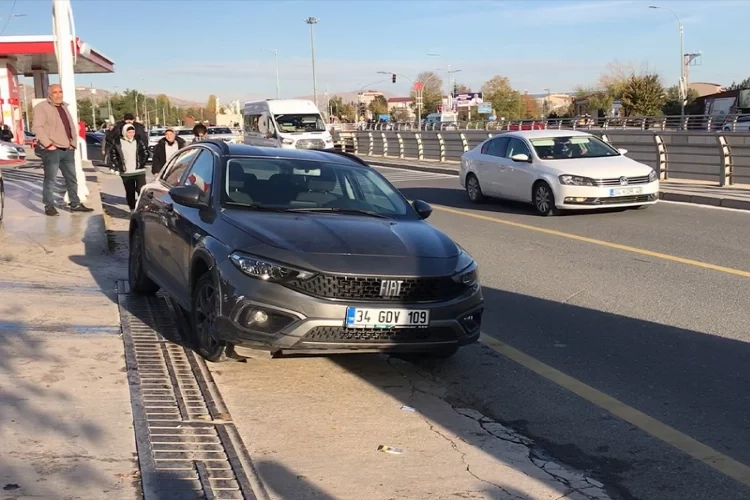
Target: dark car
x,y
299,251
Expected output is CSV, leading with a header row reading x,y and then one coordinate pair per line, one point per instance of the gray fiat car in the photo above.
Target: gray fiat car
x,y
299,251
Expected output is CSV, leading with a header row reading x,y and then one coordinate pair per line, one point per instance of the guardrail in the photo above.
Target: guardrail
x,y
718,158
726,123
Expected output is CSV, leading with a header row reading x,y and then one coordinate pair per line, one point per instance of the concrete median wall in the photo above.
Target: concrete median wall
x,y
718,158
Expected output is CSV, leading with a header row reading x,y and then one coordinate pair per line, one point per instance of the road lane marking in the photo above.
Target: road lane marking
x,y
617,246
704,453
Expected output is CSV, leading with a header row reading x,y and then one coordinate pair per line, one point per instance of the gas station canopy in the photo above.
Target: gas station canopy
x,y
31,53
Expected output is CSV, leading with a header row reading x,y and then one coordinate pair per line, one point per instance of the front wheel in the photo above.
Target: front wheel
x,y
203,314
474,190
544,200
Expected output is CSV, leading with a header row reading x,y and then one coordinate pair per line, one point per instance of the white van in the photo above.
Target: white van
x,y
286,123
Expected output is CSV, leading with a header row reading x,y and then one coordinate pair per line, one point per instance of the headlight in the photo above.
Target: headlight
x,y
328,139
653,176
267,270
574,180
467,271
288,141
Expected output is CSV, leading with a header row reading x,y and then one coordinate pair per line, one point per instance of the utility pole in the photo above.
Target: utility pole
x,y
313,21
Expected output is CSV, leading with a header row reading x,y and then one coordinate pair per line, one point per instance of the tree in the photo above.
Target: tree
x,y
643,96
672,100
84,112
529,107
400,115
432,94
615,78
744,84
461,88
505,101
210,111
378,106
598,99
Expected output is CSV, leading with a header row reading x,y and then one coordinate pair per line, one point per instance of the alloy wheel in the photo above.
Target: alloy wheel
x,y
205,316
543,199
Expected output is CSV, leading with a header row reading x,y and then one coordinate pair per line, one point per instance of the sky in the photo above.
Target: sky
x,y
190,49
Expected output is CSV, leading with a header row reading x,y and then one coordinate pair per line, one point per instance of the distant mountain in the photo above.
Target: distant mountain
x,y
345,96
101,95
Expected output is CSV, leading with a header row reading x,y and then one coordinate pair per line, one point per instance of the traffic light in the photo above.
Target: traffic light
x,y
393,78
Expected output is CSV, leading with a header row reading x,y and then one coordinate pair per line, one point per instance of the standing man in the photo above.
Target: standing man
x,y
116,132
56,133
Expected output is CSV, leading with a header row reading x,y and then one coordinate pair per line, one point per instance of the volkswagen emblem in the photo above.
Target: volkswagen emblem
x,y
623,181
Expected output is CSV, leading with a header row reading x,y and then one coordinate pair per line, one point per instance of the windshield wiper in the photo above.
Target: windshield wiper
x,y
345,211
255,206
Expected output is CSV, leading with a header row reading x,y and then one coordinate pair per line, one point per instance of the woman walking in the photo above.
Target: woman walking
x,y
128,156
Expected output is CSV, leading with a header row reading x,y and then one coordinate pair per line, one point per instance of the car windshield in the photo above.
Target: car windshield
x,y
185,131
571,147
218,130
309,122
156,133
283,184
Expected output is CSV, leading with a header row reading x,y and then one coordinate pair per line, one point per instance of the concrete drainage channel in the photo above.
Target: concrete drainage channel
x,y
188,447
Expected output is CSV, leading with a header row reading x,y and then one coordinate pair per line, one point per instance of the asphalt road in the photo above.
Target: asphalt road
x,y
663,331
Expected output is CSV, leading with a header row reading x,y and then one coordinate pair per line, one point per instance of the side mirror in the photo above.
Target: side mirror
x,y
189,196
622,151
423,208
521,157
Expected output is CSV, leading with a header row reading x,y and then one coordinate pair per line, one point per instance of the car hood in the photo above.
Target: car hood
x,y
599,168
343,235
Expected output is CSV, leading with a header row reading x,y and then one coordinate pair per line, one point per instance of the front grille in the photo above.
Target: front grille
x,y
310,144
627,199
368,288
391,335
643,179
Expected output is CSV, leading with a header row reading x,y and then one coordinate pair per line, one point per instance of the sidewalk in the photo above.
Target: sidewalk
x,y
67,426
702,193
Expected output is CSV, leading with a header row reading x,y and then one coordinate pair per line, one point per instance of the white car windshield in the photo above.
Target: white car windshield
x,y
281,184
572,147
218,130
298,123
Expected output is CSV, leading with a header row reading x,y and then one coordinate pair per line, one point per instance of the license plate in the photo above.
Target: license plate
x,y
386,318
625,191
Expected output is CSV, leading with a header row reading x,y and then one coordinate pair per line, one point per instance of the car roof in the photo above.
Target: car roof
x,y
289,154
537,134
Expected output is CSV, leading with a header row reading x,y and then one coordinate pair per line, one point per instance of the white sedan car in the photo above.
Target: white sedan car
x,y
557,170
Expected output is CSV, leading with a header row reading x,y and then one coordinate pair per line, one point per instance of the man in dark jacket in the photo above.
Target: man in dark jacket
x,y
164,149
116,133
128,156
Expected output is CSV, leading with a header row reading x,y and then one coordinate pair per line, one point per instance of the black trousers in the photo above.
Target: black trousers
x,y
133,185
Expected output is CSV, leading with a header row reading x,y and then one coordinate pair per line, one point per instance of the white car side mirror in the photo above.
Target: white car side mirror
x,y
622,151
521,157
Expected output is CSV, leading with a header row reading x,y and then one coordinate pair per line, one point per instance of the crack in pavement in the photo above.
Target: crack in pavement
x,y
575,483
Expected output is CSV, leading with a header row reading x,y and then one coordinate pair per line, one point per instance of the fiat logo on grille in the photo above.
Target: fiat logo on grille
x,y
390,288
623,181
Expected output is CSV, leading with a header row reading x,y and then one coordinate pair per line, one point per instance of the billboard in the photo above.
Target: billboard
x,y
467,99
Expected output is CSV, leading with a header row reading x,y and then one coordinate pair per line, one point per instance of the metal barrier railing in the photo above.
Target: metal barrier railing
x,y
721,157
725,123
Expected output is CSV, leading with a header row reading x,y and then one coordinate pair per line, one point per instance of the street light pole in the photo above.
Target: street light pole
x,y
313,21
450,78
276,58
682,87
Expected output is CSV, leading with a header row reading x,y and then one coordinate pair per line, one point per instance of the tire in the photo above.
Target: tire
x,y
544,200
140,283
474,190
203,311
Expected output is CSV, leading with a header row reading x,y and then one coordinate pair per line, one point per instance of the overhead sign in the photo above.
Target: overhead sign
x,y
484,108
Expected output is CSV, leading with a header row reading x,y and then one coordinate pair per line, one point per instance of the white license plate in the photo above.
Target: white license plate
x,y
386,318
625,191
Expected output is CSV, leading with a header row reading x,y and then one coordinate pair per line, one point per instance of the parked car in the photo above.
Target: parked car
x,y
11,153
557,170
299,251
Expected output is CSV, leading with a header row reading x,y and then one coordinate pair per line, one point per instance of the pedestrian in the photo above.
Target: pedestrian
x,y
6,134
165,149
116,132
199,133
106,146
128,156
56,132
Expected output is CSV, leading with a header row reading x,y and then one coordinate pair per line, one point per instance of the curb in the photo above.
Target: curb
x,y
665,195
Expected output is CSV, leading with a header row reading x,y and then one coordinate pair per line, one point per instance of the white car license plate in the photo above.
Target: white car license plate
x,y
625,191
386,318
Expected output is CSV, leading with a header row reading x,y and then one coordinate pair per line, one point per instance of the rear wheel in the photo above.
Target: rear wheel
x,y
140,283
203,314
474,190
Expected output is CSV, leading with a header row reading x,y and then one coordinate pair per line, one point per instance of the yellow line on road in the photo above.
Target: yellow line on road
x,y
714,459
658,255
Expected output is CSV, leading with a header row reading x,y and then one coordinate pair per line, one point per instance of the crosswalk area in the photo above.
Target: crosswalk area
x,y
397,175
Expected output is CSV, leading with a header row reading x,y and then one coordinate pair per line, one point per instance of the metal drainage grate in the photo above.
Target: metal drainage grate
x,y
188,447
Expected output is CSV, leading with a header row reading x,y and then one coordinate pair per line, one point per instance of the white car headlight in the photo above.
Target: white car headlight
x,y
653,176
266,270
575,180
288,141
